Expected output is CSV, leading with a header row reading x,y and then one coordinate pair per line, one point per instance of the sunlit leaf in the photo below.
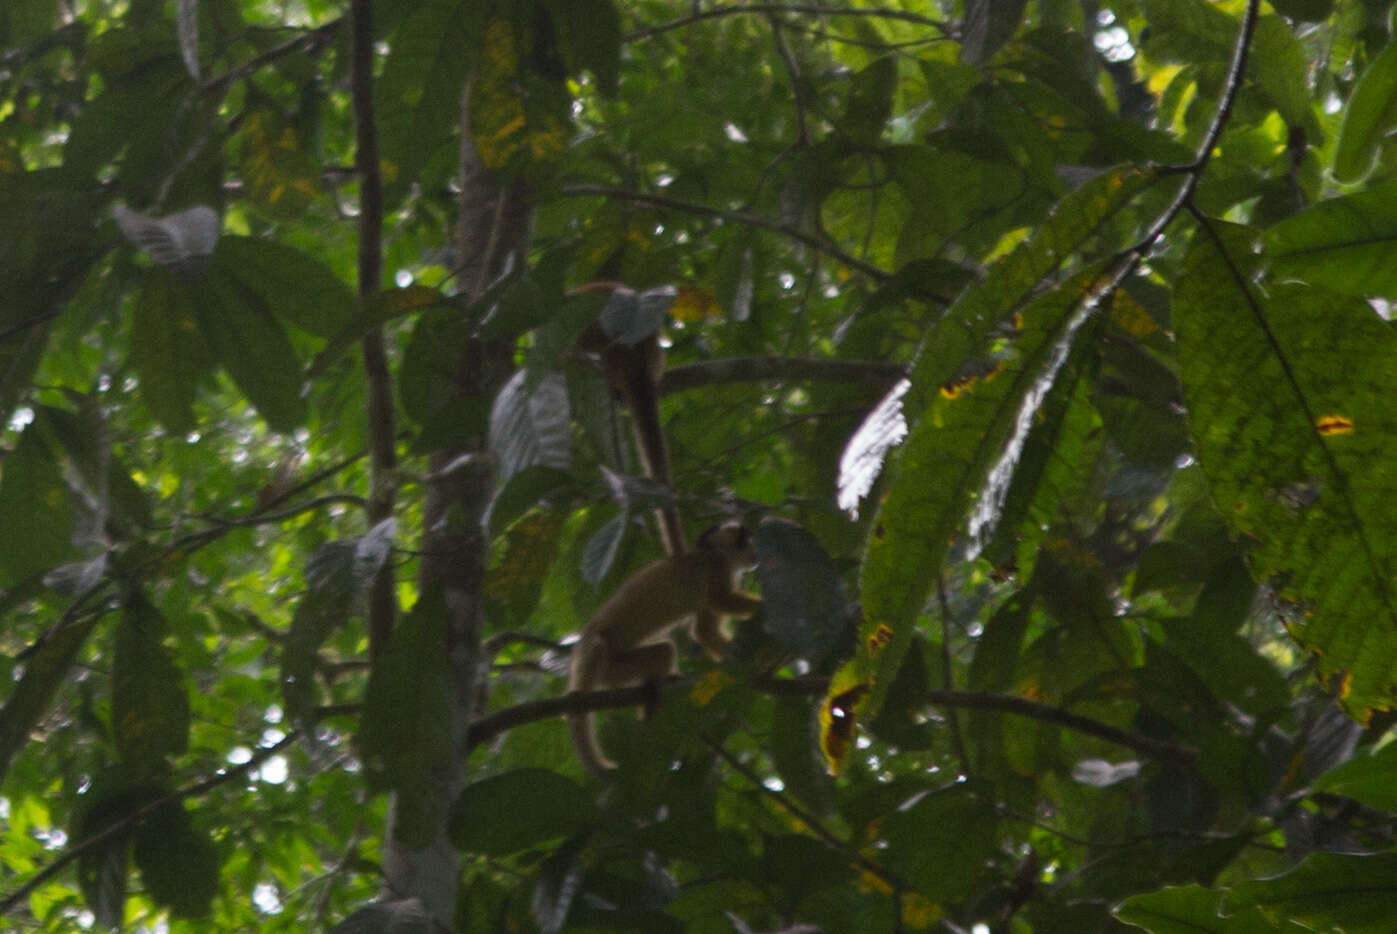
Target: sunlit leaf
x,y
1347,244
1370,114
1259,371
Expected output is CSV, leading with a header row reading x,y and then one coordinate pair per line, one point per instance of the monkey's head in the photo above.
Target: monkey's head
x,y
733,542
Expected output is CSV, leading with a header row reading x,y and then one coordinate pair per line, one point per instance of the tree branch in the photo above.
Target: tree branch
x,y
488,727
306,42
817,828
134,819
832,250
382,602
776,9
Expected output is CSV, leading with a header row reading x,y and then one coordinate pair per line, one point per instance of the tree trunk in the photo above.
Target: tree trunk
x,y
492,237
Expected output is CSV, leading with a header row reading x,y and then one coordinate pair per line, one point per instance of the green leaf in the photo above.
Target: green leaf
x,y
167,351
418,97
329,599
940,843
590,31
1280,65
113,797
988,25
1190,30
134,120
803,601
1192,909
429,363
1369,779
295,286
252,346
518,810
22,21
1290,394
1312,11
524,490
794,751
1352,893
45,669
870,100
946,189
521,307
515,581
1370,114
405,735
373,312
336,577
80,434
947,458
1226,598
1347,244
963,418
178,864
34,501
150,704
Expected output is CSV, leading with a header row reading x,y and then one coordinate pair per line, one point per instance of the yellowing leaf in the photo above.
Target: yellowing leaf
x,y
693,305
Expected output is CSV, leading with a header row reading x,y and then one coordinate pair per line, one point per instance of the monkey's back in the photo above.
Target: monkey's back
x,y
654,598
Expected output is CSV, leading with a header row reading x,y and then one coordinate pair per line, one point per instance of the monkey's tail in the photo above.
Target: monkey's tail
x,y
585,675
654,452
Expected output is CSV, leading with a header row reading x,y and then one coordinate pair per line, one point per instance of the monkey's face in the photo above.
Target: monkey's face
x,y
733,541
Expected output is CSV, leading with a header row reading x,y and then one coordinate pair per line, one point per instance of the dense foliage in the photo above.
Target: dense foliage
x,y
1044,344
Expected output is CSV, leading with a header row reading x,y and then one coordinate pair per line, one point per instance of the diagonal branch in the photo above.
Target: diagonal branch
x,y
777,9
131,821
832,250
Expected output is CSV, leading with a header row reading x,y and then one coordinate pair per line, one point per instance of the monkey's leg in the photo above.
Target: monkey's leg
x,y
645,664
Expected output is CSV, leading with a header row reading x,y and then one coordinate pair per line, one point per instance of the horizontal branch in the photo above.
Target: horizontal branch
x,y
1023,707
490,726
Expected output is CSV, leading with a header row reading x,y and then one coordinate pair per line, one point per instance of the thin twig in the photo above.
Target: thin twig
x,y
1193,172
290,512
812,822
776,9
134,819
822,244
308,42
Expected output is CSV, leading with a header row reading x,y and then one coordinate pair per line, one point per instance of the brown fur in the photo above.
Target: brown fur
x,y
627,640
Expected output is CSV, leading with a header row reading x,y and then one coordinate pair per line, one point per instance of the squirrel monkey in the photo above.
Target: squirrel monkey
x,y
626,641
